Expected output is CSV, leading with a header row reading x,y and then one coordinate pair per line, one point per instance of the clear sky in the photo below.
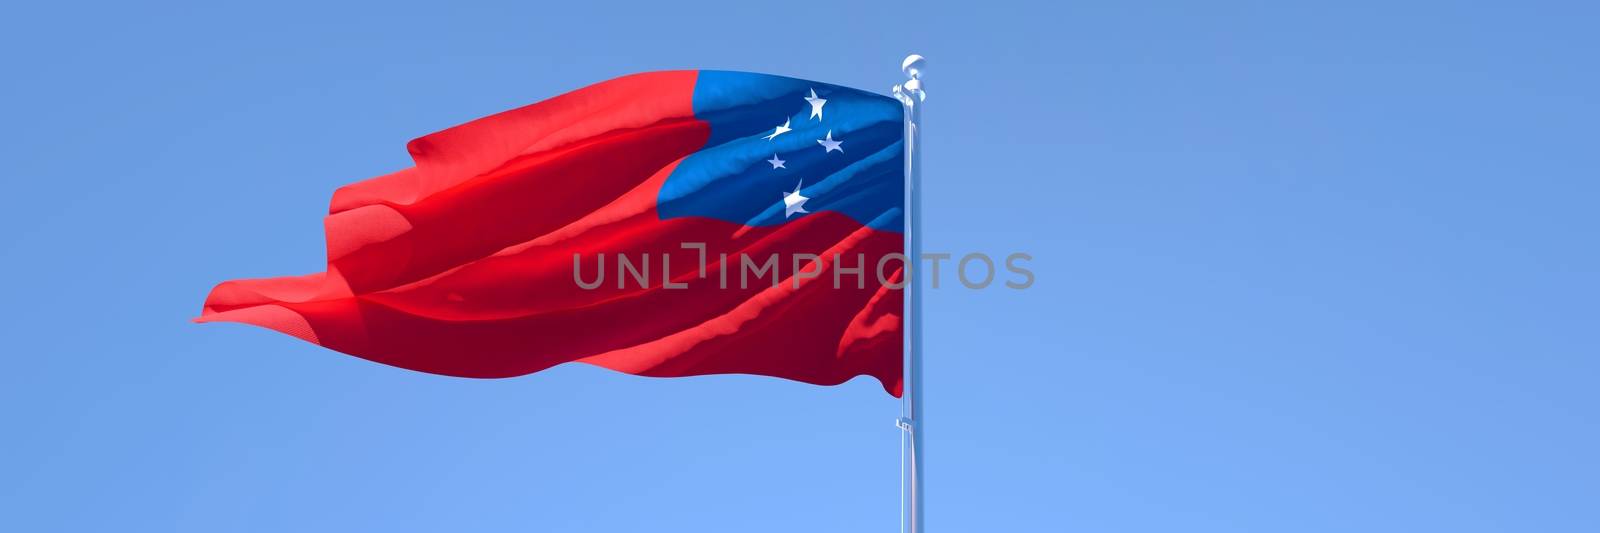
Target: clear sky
x,y
1298,269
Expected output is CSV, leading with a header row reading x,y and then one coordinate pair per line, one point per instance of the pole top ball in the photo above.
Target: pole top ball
x,y
913,66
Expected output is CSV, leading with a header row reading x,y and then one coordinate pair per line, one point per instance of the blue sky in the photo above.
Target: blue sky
x,y
1319,268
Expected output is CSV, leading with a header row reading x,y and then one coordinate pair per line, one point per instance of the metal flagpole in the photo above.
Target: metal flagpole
x,y
912,417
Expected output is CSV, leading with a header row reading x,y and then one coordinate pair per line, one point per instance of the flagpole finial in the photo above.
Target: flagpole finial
x,y
912,67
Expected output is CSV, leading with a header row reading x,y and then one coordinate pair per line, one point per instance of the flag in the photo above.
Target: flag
x,y
661,224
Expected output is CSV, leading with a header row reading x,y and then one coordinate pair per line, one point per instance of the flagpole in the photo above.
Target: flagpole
x,y
912,416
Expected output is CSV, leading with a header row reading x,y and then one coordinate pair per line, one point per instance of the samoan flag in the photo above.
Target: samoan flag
x,y
481,259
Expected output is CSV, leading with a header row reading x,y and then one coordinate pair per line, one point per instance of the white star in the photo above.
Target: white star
x,y
793,202
816,104
776,163
829,145
781,130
